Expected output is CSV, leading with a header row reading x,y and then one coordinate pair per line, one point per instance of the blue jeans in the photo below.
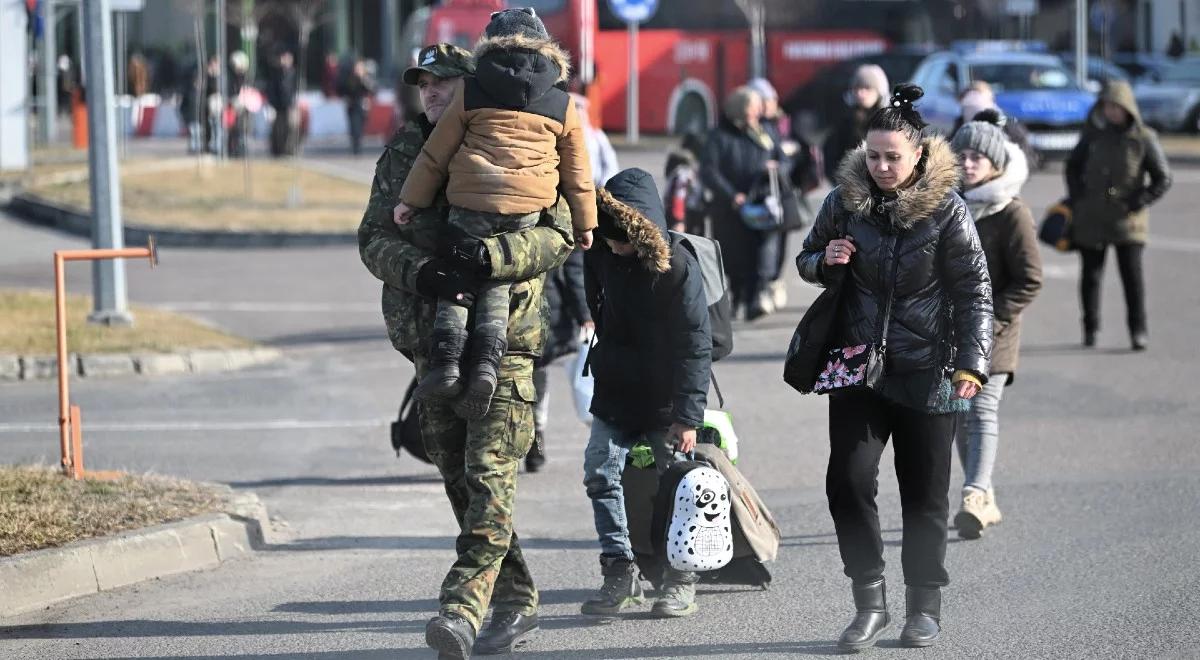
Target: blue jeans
x,y
977,447
603,462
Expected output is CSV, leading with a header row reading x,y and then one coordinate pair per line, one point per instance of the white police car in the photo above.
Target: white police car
x,y
1031,86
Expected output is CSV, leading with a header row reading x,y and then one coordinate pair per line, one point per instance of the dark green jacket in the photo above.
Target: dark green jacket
x,y
394,254
1107,176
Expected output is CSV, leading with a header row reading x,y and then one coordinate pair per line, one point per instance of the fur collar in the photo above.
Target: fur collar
x,y
549,49
647,238
991,197
939,176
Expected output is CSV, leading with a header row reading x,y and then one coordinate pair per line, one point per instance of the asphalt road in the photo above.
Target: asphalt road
x,y
1097,479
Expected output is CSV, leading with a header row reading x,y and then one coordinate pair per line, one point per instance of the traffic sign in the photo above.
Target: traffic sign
x,y
633,11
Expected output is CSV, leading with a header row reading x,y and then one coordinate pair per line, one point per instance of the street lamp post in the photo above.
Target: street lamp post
x,y
110,306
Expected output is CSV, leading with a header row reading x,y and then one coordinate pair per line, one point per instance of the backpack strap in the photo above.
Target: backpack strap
x,y
717,386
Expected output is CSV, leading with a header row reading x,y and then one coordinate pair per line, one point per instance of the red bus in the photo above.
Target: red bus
x,y
691,52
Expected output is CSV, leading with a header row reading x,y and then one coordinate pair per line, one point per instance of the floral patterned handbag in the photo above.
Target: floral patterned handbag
x,y
861,365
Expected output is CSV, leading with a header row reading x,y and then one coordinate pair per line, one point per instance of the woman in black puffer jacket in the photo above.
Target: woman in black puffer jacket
x,y
895,227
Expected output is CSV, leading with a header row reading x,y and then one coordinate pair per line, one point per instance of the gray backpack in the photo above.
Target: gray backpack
x,y
716,289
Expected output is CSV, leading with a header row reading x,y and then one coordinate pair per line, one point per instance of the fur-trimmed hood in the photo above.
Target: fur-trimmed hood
x,y
630,201
516,70
518,42
938,176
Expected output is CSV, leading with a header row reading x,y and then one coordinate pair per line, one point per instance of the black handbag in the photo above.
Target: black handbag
x,y
1056,227
406,430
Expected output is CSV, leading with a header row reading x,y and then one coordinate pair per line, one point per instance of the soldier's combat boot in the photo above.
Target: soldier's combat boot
x,y
505,632
451,636
678,595
444,380
486,352
924,614
621,588
871,620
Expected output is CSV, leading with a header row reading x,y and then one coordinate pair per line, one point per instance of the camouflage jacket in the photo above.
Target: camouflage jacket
x,y
394,254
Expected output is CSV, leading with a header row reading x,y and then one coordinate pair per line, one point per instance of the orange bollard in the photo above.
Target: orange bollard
x,y
79,121
70,427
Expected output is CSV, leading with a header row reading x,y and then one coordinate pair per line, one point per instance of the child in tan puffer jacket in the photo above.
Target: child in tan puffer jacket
x,y
506,146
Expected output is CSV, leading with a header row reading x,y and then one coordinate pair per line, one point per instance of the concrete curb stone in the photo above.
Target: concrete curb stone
x,y
10,367
161,364
36,210
104,365
34,580
92,366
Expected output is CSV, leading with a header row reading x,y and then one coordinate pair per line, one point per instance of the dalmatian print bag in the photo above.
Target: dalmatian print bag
x,y
692,517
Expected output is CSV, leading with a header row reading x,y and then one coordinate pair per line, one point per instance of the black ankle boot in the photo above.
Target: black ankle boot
x,y
444,379
486,352
923,619
871,621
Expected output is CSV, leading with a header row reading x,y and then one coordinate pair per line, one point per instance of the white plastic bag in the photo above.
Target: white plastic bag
x,y
581,386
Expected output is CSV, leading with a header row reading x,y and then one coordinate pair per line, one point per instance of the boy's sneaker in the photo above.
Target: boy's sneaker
x,y
444,379
621,588
678,595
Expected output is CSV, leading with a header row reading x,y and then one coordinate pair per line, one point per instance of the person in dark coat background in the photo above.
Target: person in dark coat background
x,y
897,239
1009,238
356,88
867,92
282,87
651,363
1115,172
736,156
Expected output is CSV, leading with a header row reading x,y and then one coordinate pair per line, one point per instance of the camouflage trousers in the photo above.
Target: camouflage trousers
x,y
478,461
492,304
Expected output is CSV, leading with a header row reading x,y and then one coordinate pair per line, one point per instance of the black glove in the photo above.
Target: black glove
x,y
439,279
469,255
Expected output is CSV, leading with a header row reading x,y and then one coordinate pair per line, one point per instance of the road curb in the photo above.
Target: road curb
x,y
107,365
1183,159
34,580
39,211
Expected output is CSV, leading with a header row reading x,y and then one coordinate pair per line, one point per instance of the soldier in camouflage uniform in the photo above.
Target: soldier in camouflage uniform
x,y
477,459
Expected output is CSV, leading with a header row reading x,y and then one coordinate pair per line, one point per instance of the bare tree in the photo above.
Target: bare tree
x,y
756,15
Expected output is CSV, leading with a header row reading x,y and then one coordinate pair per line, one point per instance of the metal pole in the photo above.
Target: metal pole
x,y
108,277
387,42
341,38
1081,16
631,95
122,86
49,69
222,58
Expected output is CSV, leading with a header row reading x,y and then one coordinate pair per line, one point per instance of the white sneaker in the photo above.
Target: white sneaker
x,y
779,294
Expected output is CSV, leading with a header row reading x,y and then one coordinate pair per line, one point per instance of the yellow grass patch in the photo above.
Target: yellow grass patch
x,y
40,508
214,196
27,328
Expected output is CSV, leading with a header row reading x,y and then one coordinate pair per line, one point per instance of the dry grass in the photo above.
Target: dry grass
x,y
27,328
213,197
39,508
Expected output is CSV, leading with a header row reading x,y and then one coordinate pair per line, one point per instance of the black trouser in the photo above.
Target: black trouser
x,y
860,423
1129,262
357,118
